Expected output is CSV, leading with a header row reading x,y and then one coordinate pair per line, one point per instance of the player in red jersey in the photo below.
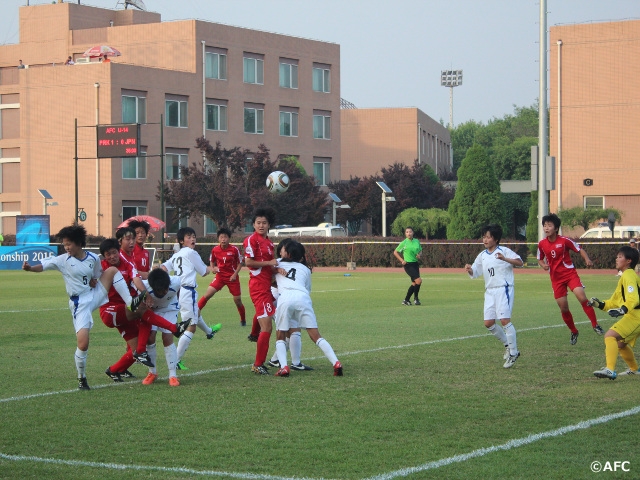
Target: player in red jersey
x,y
554,256
134,327
259,258
226,263
140,254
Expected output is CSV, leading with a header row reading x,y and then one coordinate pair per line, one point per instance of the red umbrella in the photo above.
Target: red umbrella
x,y
155,224
102,50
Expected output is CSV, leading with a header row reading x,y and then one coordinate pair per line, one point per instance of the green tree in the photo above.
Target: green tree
x,y
532,222
579,217
477,198
426,223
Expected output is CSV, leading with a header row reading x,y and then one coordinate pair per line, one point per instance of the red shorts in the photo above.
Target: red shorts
x,y
115,316
219,282
264,304
560,284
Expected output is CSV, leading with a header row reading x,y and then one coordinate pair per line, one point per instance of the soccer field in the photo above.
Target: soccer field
x,y
424,393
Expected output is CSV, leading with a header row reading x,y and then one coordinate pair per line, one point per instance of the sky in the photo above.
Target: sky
x,y
392,51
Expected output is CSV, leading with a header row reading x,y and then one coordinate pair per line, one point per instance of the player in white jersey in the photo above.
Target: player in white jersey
x,y
187,264
496,264
163,290
87,286
295,308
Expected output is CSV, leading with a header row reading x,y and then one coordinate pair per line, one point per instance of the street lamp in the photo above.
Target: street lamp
x,y
385,189
451,78
46,196
336,200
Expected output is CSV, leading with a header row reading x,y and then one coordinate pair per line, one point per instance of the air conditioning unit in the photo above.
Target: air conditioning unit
x,y
82,60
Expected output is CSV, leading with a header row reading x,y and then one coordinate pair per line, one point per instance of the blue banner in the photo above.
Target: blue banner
x,y
12,258
32,229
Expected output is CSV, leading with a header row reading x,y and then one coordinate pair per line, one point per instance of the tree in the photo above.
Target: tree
x,y
533,224
477,199
228,184
579,217
426,223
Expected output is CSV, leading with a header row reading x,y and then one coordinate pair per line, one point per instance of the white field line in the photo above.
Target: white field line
x,y
390,475
234,367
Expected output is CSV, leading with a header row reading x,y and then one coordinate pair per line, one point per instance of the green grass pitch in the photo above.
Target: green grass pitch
x,y
424,394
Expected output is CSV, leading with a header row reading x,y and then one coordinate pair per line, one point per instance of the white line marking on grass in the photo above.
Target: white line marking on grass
x,y
36,310
119,466
519,442
481,452
223,369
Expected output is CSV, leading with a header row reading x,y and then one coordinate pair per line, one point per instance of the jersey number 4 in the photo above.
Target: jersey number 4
x,y
292,274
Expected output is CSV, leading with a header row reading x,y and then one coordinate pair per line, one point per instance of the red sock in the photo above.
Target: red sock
x,y
152,318
591,313
202,302
262,348
124,363
242,313
144,330
568,319
255,326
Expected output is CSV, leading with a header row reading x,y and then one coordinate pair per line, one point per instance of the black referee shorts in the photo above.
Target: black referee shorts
x,y
412,270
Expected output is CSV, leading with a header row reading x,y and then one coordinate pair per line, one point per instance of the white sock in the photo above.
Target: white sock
x,y
327,350
122,288
203,326
183,343
296,347
275,354
281,352
171,354
81,362
510,332
499,334
151,350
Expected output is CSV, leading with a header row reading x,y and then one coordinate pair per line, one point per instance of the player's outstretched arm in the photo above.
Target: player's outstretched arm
x,y
32,268
586,258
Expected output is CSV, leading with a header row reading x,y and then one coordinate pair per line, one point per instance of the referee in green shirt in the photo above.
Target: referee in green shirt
x,y
410,249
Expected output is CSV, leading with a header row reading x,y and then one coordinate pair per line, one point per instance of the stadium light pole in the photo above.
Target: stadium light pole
x,y
385,190
450,78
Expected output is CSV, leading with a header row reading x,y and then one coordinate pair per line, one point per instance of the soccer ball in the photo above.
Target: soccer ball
x,y
278,182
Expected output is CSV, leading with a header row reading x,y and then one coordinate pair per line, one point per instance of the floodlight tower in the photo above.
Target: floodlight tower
x,y
451,78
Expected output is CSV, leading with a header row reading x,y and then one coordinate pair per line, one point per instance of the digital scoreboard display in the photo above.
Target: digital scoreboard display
x,y
118,140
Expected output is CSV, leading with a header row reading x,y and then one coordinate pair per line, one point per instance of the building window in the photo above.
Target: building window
x,y
321,80
210,226
288,75
129,211
134,168
216,117
216,65
173,224
176,113
322,170
134,109
172,164
288,124
253,70
593,202
322,126
253,120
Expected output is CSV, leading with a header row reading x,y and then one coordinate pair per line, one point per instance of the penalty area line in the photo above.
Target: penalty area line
x,y
519,442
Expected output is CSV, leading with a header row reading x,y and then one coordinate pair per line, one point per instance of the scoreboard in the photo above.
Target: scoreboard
x,y
118,140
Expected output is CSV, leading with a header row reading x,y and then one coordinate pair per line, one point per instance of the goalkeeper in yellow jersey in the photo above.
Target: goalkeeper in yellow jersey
x,y
625,305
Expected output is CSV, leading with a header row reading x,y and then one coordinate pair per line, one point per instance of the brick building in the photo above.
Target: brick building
x,y
239,86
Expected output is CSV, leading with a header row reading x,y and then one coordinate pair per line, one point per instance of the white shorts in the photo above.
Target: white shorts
x,y
82,306
498,302
168,315
189,305
295,310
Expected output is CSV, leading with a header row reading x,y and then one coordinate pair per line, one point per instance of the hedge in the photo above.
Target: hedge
x,y
373,252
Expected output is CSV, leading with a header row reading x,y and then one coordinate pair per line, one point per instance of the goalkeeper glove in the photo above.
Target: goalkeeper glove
x,y
618,312
594,302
